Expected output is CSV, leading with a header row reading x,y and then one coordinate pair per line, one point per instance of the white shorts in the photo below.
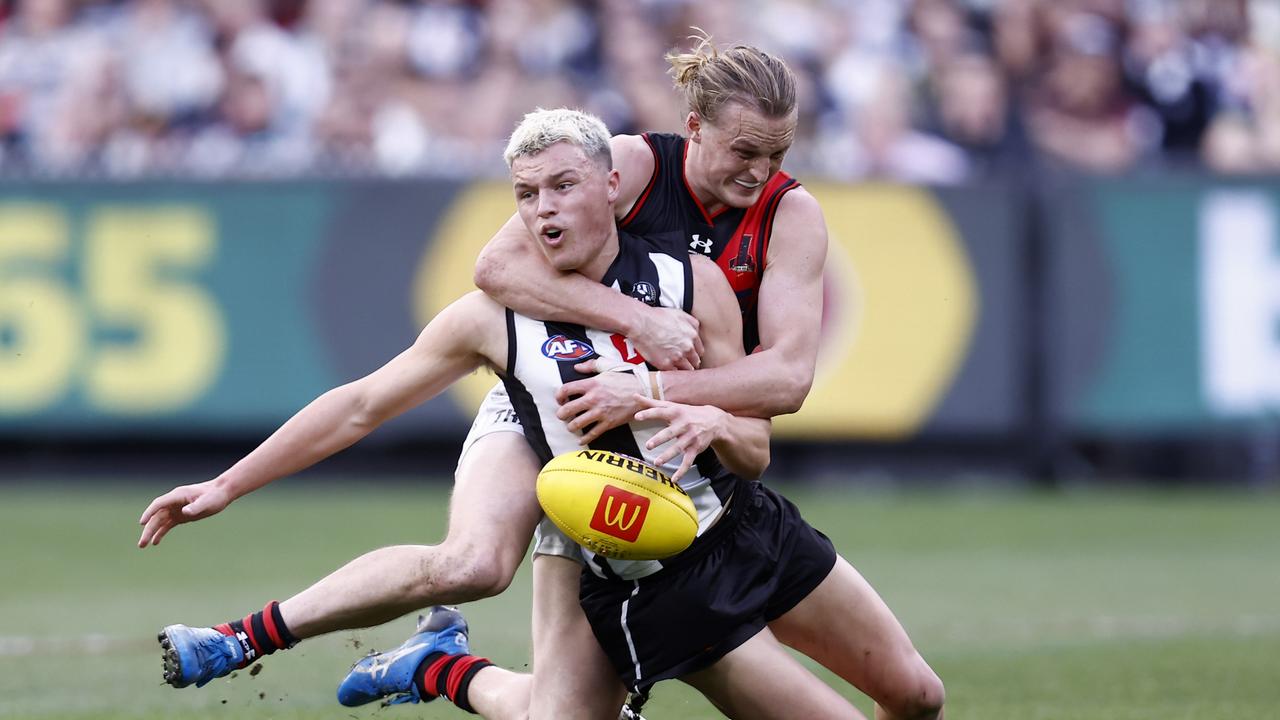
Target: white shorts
x,y
497,415
549,540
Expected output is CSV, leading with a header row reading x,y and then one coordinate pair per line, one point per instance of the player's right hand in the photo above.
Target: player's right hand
x,y
181,504
668,338
690,430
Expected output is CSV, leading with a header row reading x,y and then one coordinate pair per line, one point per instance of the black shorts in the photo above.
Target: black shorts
x,y
752,567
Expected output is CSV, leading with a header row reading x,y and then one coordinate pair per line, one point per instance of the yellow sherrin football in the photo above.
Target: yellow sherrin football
x,y
617,506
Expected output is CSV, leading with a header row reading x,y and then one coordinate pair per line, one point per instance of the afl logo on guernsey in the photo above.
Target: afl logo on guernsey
x,y
559,347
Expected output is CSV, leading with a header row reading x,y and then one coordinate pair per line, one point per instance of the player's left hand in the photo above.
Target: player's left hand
x,y
690,430
599,403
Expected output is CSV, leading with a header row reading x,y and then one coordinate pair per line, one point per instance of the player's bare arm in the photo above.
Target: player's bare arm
x,y
771,381
512,271
463,336
741,443
775,379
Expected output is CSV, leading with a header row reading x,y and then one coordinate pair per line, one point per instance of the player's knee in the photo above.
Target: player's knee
x,y
473,574
921,697
489,580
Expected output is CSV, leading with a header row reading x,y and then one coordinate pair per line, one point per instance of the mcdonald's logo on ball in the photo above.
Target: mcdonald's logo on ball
x,y
620,513
617,506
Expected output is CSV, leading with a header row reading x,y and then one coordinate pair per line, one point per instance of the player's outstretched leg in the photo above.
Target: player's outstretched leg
x,y
848,628
198,655
435,661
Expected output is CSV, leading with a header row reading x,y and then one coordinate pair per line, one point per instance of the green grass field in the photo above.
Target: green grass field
x,y
1103,606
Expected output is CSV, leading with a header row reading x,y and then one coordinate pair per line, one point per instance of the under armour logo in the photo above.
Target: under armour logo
x,y
697,244
249,652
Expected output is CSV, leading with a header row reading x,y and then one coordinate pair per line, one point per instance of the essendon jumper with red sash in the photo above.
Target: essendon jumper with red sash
x,y
737,239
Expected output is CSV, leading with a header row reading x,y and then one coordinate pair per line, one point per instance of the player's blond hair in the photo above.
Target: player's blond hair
x,y
710,77
542,128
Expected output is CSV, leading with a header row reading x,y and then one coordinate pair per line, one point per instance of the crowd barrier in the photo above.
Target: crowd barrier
x,y
1069,305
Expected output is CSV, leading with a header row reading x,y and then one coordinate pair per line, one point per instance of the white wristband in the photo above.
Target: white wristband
x,y
647,386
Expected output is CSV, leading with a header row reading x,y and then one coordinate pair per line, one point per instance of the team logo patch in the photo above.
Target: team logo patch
x,y
645,293
620,513
743,262
559,347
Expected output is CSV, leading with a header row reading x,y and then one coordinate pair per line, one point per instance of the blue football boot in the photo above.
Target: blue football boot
x,y
197,655
390,674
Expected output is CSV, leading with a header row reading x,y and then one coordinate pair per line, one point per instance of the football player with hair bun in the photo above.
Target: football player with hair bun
x,y
720,186
716,615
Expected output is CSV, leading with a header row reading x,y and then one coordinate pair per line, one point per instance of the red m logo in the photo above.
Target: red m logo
x,y
620,513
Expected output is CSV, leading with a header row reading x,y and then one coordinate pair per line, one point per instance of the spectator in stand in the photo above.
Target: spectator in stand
x,y
1247,139
552,50
446,49
49,69
329,34
811,36
972,109
371,123
636,96
170,70
884,145
1160,63
1017,34
1080,114
299,86
1241,41
272,94
170,80
941,32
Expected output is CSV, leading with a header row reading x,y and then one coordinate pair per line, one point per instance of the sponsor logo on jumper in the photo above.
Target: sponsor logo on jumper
x,y
697,244
620,513
559,347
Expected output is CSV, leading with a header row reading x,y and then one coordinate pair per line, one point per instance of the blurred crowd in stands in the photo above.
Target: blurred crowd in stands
x,y
932,91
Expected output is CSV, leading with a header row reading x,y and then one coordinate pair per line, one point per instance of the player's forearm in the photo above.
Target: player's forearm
x,y
568,297
762,385
518,277
330,423
743,447
572,298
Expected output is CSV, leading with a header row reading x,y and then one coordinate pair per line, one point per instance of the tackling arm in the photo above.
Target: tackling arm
x,y
513,272
775,379
741,443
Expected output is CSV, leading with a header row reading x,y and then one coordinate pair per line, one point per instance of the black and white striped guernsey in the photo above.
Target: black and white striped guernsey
x,y
541,357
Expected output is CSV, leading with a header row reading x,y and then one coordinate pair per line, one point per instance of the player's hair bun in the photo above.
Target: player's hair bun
x,y
685,67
